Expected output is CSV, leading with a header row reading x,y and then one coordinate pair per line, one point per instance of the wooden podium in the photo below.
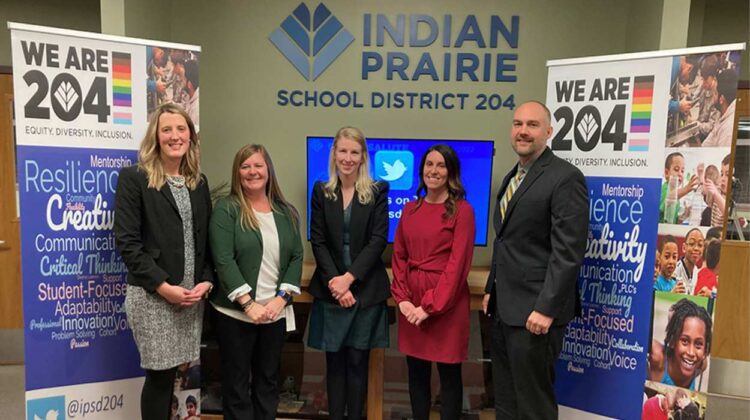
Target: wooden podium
x,y
731,339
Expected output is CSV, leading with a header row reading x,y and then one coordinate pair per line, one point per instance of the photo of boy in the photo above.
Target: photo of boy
x,y
673,190
715,191
692,260
191,405
710,177
667,256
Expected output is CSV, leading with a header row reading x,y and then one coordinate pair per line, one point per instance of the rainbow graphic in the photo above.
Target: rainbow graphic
x,y
122,87
640,117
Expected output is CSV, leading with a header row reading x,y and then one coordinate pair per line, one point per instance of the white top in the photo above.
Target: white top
x,y
268,275
721,135
681,274
269,266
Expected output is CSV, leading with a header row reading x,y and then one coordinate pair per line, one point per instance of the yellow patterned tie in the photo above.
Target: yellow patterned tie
x,y
512,187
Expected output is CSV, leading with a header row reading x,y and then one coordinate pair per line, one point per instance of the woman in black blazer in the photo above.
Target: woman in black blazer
x,y
348,232
162,207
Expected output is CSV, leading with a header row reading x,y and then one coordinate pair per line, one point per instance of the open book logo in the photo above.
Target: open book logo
x,y
311,41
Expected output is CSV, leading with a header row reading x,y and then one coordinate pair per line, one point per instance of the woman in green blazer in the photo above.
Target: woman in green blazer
x,y
258,259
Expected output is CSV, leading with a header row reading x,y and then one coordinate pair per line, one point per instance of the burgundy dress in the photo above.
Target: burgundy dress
x,y
431,261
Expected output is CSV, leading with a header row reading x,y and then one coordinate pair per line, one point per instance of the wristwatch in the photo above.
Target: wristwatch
x,y
285,295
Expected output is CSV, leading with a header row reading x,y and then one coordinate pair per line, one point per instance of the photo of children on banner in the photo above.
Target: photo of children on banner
x,y
188,376
663,402
185,405
681,341
702,102
174,413
688,265
186,398
172,78
698,197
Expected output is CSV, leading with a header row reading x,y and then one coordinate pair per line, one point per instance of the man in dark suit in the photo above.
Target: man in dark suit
x,y
541,220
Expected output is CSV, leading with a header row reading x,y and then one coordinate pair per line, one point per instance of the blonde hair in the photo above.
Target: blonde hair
x,y
149,153
279,204
364,185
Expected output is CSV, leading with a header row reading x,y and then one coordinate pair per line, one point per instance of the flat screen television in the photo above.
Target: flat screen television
x,y
396,160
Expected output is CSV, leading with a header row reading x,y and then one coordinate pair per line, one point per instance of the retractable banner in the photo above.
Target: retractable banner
x,y
82,102
652,132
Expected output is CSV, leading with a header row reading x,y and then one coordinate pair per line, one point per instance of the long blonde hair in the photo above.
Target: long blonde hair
x,y
279,204
149,153
364,185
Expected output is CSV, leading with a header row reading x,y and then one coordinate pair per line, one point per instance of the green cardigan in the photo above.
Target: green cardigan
x,y
237,253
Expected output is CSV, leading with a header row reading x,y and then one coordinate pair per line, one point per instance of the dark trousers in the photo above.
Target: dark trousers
x,y
250,360
346,380
156,395
523,371
451,389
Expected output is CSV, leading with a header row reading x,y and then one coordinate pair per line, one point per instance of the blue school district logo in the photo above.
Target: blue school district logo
x,y
395,166
320,37
50,408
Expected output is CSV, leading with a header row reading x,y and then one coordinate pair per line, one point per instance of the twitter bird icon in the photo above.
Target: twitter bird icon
x,y
395,166
48,408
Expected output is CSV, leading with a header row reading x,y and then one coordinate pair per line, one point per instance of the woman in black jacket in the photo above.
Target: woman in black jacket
x,y
162,208
348,232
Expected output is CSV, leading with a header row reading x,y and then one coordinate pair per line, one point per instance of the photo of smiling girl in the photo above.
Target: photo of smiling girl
x,y
680,356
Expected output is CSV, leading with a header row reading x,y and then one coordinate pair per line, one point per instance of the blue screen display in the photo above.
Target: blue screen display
x,y
396,161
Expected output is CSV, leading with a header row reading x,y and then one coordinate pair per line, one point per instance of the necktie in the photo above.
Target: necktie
x,y
512,187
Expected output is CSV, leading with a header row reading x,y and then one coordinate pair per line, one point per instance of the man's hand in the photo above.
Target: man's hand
x,y
538,323
485,302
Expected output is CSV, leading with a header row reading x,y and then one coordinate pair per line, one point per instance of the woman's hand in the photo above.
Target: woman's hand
x,y
347,300
274,308
201,289
256,312
406,308
417,316
177,295
340,285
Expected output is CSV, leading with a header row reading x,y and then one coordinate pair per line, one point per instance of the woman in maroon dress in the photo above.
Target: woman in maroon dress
x,y
431,261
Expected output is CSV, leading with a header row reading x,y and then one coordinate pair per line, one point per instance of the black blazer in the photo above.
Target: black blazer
x,y
540,246
148,231
368,238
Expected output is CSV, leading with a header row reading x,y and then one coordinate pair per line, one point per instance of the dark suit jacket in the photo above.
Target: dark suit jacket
x,y
368,237
148,231
540,246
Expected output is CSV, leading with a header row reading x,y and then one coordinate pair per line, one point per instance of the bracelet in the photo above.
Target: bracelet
x,y
285,295
247,304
